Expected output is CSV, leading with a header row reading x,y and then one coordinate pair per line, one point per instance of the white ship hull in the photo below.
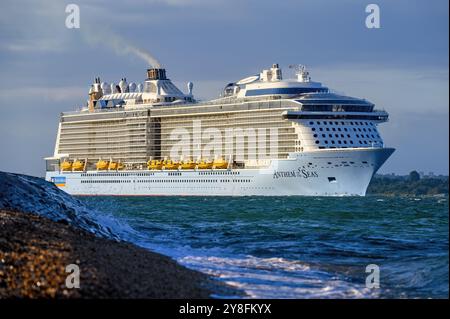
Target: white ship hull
x,y
340,172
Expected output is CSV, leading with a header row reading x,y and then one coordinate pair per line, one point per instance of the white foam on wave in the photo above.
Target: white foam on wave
x,y
276,277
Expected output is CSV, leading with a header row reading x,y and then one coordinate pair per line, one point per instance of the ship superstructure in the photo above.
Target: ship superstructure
x,y
263,136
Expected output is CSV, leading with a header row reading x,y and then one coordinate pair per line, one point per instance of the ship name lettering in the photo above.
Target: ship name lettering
x,y
300,173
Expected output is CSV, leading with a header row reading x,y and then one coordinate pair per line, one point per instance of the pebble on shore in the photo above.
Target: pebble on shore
x,y
34,253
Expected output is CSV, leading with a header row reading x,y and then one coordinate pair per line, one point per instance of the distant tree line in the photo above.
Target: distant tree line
x,y
410,184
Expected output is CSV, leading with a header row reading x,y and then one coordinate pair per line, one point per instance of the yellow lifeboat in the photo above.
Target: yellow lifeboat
x,y
204,165
102,165
115,166
78,165
154,164
169,164
66,165
188,165
220,164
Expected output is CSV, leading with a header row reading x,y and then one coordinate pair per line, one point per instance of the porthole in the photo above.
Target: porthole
x,y
317,142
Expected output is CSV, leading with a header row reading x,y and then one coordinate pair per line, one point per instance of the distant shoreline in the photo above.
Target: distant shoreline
x,y
407,185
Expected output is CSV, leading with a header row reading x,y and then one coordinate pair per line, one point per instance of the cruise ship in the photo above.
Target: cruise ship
x,y
263,136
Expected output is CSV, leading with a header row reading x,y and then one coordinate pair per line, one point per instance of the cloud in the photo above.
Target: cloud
x,y
45,93
33,45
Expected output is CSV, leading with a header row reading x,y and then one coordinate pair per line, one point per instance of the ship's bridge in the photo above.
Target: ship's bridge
x,y
333,106
331,102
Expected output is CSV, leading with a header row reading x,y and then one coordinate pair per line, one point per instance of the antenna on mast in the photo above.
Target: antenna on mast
x,y
301,72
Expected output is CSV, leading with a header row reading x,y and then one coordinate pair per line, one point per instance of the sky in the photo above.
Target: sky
x,y
403,67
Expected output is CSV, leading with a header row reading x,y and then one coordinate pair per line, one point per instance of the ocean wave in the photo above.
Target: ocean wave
x,y
277,278
35,195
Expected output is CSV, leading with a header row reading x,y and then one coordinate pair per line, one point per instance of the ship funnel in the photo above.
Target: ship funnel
x,y
156,74
190,86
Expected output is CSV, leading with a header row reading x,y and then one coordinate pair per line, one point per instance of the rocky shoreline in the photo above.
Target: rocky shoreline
x,y
35,251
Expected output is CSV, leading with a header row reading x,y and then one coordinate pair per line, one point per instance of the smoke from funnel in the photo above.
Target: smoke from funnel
x,y
118,44
143,55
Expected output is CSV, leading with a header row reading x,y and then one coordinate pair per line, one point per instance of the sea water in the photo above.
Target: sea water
x,y
296,247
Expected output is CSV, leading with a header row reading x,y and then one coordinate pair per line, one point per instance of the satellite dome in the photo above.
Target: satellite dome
x,y
132,87
105,88
113,88
123,85
190,86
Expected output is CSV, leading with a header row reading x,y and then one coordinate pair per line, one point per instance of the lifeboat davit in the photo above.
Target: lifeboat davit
x,y
66,165
169,164
204,165
154,164
78,166
115,166
102,165
220,164
188,165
